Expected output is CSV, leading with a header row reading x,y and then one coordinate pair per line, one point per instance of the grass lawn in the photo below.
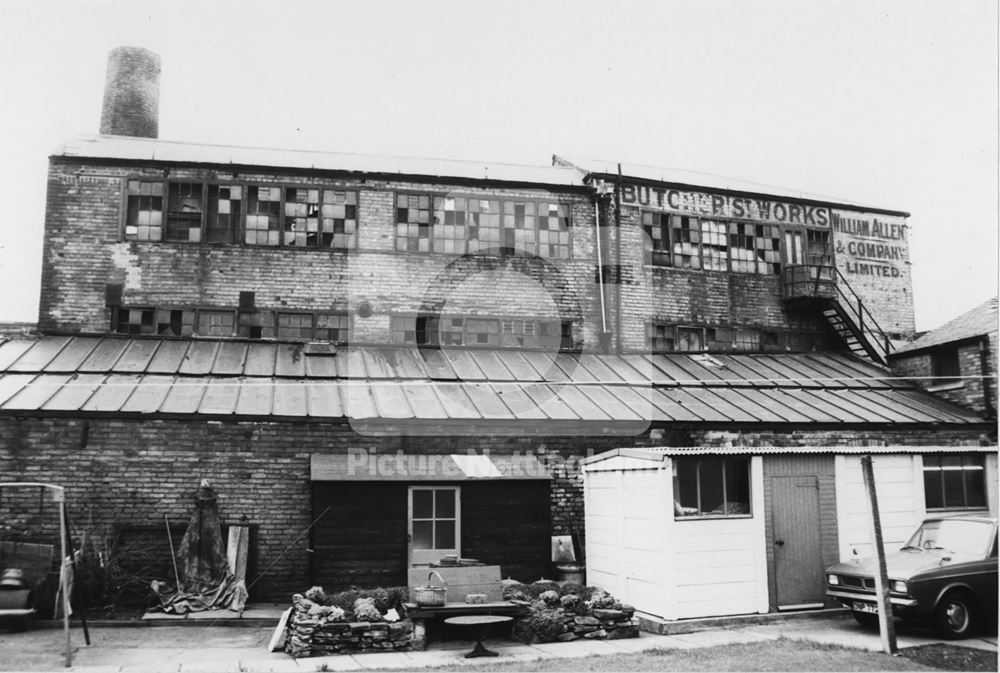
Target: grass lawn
x,y
776,655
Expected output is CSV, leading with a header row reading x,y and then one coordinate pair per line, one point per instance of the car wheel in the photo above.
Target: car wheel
x,y
955,615
867,620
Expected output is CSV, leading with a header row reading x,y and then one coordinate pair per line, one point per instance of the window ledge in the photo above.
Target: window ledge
x,y
952,385
712,517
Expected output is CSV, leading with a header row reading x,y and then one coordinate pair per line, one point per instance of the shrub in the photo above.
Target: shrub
x,y
602,599
364,609
550,598
573,588
316,595
545,585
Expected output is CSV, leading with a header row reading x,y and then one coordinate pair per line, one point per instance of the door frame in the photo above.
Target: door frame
x,y
816,553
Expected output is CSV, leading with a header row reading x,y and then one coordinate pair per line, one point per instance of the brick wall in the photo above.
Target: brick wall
x,y
132,472
83,252
973,392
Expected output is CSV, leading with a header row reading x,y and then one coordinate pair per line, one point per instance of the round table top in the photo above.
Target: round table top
x,y
472,620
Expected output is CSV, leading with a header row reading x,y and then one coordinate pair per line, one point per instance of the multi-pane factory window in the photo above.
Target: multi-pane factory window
x,y
477,331
690,339
742,247
746,340
714,249
481,332
767,242
339,220
413,223
553,231
224,210
175,321
134,321
216,323
483,225
301,225
659,338
685,236
450,224
184,212
263,220
656,242
144,211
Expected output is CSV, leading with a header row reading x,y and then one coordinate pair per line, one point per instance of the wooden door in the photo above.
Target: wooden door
x,y
434,523
798,561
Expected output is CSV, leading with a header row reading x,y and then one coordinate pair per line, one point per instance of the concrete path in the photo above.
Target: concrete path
x,y
213,648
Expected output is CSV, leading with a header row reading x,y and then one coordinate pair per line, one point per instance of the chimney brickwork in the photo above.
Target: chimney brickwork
x,y
131,93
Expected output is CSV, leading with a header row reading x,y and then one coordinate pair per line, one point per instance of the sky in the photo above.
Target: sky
x,y
886,103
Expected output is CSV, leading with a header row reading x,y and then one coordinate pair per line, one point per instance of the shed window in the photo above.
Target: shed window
x,y
954,481
712,486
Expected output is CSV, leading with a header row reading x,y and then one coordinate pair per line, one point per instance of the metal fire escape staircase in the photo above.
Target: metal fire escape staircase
x,y
825,288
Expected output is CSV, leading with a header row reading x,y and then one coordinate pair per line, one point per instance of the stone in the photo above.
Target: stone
x,y
596,635
624,632
584,628
587,621
360,626
567,637
379,626
600,613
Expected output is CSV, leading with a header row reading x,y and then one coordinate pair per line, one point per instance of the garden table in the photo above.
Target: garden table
x,y
482,622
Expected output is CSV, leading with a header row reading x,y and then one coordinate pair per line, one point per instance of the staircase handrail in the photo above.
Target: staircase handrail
x,y
866,321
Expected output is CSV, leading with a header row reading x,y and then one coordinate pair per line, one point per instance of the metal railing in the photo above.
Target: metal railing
x,y
827,282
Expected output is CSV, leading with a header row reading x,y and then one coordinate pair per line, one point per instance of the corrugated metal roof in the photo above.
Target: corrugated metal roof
x,y
980,321
221,378
657,454
148,149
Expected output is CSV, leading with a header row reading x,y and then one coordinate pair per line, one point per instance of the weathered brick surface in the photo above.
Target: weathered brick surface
x,y
977,390
133,472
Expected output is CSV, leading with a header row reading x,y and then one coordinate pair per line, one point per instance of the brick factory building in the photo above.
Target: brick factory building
x,y
378,361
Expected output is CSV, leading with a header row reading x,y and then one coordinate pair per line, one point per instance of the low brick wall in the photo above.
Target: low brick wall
x,y
312,633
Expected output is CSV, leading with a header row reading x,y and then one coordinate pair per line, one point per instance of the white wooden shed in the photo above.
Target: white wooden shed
x,y
699,532
664,565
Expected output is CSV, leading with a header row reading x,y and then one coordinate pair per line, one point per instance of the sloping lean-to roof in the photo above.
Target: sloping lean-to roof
x,y
237,379
978,322
147,150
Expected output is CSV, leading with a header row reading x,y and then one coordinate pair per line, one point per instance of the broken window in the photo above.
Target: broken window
x,y
413,223
660,338
184,209
746,339
690,339
767,242
714,249
295,326
339,220
144,211
553,231
481,332
520,228
223,219
483,225
711,486
656,243
684,233
263,218
742,247
449,231
134,321
301,226
175,322
332,327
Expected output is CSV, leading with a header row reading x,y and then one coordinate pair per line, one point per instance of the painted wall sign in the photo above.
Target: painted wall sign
x,y
718,205
872,251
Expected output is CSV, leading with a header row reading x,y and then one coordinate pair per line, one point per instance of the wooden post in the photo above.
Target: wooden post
x,y
886,627
60,497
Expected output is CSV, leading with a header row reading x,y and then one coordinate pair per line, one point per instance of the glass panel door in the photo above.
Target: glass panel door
x,y
434,523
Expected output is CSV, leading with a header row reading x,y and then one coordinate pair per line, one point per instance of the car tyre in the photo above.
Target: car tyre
x,y
866,620
955,615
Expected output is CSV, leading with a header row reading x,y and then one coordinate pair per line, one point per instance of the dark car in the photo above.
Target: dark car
x,y
945,576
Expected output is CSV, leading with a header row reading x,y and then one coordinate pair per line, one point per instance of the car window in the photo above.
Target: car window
x,y
955,535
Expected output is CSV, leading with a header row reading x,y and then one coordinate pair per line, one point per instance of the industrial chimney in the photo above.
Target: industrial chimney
x,y
131,93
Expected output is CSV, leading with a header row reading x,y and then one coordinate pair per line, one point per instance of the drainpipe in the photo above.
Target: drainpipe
x,y
986,372
618,258
600,271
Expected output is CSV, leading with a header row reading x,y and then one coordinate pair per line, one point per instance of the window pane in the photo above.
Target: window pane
x,y
932,489
975,488
423,504
710,476
953,494
422,532
444,504
686,487
444,535
737,486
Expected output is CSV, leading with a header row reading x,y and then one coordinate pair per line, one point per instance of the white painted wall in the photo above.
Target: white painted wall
x,y
671,569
